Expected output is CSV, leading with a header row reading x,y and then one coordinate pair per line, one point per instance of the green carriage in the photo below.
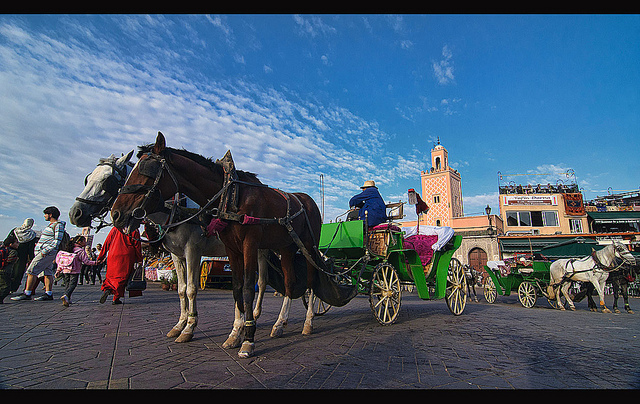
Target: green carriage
x,y
377,262
528,278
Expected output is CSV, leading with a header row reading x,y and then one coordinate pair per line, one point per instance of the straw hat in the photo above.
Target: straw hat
x,y
368,184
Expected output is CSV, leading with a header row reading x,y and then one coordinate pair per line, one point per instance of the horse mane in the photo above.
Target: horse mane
x,y
201,160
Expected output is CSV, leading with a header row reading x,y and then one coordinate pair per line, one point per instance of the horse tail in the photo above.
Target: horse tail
x,y
551,291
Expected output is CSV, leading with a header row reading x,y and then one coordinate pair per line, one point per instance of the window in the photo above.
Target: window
x,y
533,219
436,199
575,225
550,218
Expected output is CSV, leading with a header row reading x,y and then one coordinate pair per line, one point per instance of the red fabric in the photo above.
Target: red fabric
x,y
216,226
422,244
122,252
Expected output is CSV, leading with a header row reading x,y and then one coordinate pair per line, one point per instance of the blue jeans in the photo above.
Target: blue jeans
x,y
70,283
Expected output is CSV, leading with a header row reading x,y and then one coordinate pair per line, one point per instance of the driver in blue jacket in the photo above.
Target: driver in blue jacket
x,y
371,201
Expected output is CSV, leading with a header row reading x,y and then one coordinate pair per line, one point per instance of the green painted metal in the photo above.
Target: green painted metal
x,y
345,241
510,283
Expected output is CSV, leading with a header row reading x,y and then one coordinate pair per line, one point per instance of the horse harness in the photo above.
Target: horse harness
x,y
597,265
111,187
228,197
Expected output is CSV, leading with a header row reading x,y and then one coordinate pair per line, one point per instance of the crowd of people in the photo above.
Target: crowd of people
x,y
54,257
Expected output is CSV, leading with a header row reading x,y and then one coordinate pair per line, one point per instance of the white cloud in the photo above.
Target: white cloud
x,y
443,69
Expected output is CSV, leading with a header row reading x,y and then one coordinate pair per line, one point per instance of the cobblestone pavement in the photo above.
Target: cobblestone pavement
x,y
44,345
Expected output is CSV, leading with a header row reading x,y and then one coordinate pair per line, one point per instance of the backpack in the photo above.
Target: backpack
x,y
4,256
67,261
66,244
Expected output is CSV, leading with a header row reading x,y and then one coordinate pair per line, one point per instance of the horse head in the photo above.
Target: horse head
x,y
101,187
149,184
623,253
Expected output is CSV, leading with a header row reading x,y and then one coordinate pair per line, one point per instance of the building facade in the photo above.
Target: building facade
x,y
441,189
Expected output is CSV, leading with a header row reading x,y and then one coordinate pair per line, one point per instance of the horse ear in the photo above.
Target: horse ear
x,y
160,144
124,159
227,161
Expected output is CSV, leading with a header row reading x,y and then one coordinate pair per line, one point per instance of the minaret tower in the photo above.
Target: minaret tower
x,y
441,189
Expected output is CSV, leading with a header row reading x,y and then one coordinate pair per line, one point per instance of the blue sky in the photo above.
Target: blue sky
x,y
351,97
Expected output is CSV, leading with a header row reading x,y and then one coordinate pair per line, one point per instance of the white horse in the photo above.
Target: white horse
x,y
594,268
185,242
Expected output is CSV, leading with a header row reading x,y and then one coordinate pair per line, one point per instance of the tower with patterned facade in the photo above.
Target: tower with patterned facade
x,y
441,189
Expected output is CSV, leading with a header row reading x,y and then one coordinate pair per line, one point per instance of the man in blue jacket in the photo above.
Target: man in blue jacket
x,y
370,201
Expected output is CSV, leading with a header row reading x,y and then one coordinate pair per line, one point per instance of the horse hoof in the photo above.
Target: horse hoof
x,y
605,310
594,310
572,308
616,310
277,332
173,333
630,311
184,337
232,342
246,350
307,330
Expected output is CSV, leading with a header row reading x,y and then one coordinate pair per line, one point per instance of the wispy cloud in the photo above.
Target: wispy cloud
x,y
443,69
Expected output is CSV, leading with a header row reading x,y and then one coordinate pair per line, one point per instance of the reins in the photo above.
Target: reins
x,y
113,194
228,197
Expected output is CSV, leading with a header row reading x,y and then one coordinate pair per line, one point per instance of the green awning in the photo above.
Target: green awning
x,y
575,248
615,217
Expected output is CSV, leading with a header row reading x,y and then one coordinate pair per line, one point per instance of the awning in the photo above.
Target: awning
x,y
615,217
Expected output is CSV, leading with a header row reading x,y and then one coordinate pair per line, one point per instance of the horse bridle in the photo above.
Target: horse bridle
x,y
111,186
145,168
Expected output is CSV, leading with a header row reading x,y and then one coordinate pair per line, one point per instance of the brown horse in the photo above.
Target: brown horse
x,y
248,216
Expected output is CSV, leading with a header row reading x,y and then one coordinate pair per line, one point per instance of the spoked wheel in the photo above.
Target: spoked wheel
x,y
490,291
527,294
319,307
385,293
456,295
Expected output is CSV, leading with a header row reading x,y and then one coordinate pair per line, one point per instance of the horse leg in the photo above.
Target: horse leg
x,y
250,258
193,275
262,281
236,262
565,291
616,295
286,262
307,329
624,288
235,337
590,302
180,266
283,317
600,289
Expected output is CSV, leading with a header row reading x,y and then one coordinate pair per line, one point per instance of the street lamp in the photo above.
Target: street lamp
x,y
487,210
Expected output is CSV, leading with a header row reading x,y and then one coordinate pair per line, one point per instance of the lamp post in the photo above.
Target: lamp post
x,y
487,210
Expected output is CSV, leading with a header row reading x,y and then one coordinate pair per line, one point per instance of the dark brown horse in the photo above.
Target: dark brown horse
x,y
249,216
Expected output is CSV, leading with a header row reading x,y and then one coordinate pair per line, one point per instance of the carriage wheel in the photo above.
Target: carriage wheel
x,y
456,295
204,274
385,293
490,291
527,294
319,307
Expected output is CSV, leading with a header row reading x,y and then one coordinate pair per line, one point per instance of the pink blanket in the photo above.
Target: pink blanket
x,y
422,245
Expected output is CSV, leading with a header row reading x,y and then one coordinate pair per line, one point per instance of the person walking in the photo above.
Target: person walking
x,y
27,239
45,254
121,251
96,270
69,265
8,258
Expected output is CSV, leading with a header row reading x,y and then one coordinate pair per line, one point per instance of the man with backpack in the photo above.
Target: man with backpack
x,y
45,252
8,257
